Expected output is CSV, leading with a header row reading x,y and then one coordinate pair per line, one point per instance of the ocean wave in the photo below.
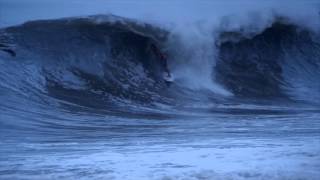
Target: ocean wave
x,y
109,56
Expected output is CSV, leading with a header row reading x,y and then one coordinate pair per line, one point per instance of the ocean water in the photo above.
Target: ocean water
x,y
84,95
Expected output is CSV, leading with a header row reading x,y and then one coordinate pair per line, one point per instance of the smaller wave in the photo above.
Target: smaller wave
x,y
280,62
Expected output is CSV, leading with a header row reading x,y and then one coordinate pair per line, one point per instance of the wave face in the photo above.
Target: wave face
x,y
81,57
90,91
281,61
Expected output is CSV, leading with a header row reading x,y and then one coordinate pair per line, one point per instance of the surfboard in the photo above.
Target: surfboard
x,y
168,78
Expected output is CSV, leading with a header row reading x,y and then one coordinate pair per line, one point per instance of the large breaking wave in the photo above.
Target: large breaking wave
x,y
108,58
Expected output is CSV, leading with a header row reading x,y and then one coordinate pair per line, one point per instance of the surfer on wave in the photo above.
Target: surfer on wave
x,y
163,57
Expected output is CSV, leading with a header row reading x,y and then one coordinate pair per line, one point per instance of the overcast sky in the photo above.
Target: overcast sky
x,y
17,11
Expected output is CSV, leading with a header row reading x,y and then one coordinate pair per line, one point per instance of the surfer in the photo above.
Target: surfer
x,y
7,50
163,57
